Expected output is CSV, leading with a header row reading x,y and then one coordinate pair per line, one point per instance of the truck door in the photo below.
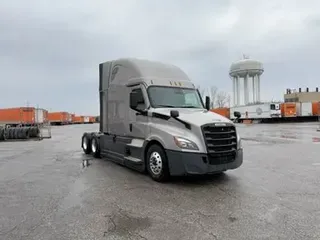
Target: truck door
x,y
138,122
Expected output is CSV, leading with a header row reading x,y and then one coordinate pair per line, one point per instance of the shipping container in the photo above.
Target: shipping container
x,y
225,112
257,111
58,117
41,115
77,119
86,119
19,115
73,118
289,109
316,108
305,109
92,119
69,118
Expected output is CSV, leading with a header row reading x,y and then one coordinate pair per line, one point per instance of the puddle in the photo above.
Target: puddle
x,y
122,224
315,139
85,163
285,136
74,198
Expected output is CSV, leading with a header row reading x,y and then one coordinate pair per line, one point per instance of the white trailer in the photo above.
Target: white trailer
x,y
69,117
40,115
86,119
257,111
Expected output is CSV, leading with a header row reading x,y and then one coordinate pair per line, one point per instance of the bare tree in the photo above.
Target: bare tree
x,y
213,95
201,91
223,99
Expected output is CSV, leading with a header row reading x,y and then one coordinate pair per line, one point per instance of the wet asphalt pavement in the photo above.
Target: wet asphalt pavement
x,y
47,191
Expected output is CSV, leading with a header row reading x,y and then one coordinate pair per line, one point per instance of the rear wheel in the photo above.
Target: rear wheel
x,y
95,147
86,143
157,163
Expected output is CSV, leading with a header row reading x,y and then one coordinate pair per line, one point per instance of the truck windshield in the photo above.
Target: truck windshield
x,y
174,97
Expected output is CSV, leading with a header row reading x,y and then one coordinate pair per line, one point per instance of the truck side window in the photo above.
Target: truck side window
x,y
141,106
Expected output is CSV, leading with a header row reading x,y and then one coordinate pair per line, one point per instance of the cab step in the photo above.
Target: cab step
x,y
133,160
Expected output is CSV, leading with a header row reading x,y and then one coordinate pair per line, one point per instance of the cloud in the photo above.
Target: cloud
x,y
50,51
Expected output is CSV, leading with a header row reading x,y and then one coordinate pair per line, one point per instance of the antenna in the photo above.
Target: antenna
x,y
245,56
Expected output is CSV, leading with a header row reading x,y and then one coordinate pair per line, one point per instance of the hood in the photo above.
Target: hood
x,y
195,116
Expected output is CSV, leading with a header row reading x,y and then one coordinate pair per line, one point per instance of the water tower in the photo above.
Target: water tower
x,y
246,69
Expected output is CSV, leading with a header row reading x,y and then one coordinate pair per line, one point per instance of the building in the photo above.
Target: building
x,y
293,95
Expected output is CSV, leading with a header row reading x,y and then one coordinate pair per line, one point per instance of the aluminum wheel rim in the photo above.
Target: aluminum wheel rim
x,y
155,162
93,145
85,143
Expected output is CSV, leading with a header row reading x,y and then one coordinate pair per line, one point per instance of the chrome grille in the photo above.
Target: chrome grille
x,y
221,142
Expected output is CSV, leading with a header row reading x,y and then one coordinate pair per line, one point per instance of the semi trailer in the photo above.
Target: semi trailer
x,y
153,119
257,111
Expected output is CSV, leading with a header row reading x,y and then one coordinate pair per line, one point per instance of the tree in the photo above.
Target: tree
x,y
213,95
223,99
201,91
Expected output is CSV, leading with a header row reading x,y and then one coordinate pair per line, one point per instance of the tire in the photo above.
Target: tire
x,y
86,143
10,133
20,133
1,134
5,134
158,170
95,147
33,132
16,133
26,133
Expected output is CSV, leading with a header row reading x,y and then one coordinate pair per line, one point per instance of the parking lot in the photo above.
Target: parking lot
x,y
48,191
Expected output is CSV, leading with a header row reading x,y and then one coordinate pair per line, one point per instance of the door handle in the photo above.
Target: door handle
x,y
130,127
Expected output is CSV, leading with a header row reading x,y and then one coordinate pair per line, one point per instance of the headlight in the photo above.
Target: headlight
x,y
239,143
185,143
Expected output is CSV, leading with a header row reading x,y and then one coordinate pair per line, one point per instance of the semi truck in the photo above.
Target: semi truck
x,y
153,120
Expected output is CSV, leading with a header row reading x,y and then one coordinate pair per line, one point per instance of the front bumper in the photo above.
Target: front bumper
x,y
185,163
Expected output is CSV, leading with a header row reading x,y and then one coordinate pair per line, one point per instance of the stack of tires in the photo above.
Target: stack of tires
x,y
19,133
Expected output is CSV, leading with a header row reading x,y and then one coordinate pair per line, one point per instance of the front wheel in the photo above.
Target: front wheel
x,y
157,164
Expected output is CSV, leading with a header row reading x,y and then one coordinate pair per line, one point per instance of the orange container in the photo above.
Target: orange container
x,y
316,108
288,109
222,111
92,119
247,121
20,115
58,117
77,119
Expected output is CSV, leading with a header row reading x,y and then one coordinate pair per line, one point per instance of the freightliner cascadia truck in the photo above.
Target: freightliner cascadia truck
x,y
153,119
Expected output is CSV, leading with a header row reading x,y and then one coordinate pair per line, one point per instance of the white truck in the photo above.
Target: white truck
x,y
153,119
257,111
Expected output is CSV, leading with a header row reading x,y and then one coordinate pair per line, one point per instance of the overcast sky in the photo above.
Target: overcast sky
x,y
50,50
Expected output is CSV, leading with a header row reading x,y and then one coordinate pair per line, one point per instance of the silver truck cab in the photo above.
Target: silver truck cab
x,y
152,118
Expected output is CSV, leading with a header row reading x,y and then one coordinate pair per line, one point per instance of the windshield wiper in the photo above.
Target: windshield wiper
x,y
188,106
167,106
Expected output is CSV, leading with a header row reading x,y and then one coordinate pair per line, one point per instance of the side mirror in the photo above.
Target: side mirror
x,y
135,100
207,103
174,113
237,114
